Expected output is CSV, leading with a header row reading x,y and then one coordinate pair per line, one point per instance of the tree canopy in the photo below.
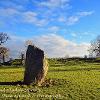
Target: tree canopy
x,y
3,37
95,47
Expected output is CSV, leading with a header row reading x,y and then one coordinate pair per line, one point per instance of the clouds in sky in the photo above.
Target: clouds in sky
x,y
75,18
32,17
49,16
45,12
25,17
54,29
54,46
55,3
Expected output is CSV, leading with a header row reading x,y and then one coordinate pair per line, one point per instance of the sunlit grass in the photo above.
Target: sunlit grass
x,y
75,82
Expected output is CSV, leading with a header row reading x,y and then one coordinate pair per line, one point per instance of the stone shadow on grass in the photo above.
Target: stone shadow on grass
x,y
47,83
12,83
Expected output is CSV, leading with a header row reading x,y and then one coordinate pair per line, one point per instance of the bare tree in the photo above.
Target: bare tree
x,y
3,53
3,37
28,42
3,50
95,47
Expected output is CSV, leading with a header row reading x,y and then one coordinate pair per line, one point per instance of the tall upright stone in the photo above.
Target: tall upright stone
x,y
36,66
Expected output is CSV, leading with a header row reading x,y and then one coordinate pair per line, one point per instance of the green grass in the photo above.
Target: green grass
x,y
63,82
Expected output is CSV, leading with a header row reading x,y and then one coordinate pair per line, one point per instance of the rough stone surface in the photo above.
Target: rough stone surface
x,y
36,66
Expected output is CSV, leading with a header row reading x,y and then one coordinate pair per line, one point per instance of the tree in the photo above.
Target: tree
x,y
28,42
66,56
3,50
3,38
95,47
22,58
3,53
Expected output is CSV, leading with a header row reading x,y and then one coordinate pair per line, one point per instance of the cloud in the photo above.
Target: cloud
x,y
53,45
15,4
22,17
56,46
74,34
54,29
69,20
62,19
45,12
32,18
73,19
49,10
8,12
54,3
85,13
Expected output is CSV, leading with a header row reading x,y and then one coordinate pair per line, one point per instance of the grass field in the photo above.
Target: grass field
x,y
63,82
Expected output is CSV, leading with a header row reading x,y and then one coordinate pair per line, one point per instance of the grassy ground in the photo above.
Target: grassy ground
x,y
63,82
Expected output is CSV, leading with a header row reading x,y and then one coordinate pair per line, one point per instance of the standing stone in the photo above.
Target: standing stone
x,y
36,66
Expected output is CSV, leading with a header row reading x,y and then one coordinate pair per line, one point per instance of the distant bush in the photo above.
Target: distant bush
x,y
72,61
97,59
16,62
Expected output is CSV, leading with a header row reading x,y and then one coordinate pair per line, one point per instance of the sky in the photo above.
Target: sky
x,y
59,27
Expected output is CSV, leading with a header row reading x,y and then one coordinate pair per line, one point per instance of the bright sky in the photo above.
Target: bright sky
x,y
59,27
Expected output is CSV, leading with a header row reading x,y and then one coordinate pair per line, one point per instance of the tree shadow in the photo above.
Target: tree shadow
x,y
12,83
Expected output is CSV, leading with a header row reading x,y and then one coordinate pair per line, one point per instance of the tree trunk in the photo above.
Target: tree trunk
x,y
3,58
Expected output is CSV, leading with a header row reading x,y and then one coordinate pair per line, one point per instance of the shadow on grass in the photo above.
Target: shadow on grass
x,y
12,83
79,69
